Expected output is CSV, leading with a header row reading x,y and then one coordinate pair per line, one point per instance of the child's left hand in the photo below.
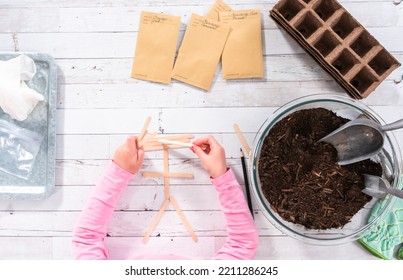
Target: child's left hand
x,y
129,155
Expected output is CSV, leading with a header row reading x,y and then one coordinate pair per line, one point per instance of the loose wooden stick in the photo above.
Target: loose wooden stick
x,y
155,221
166,171
170,175
185,222
144,129
243,140
167,141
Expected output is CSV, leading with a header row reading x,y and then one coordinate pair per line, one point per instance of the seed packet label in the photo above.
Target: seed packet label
x,y
200,51
219,6
243,53
156,46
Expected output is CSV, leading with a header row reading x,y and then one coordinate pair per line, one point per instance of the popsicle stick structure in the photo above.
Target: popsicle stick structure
x,y
153,142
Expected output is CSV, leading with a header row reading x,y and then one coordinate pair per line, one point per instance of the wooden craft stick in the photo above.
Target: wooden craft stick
x,y
153,143
151,147
166,171
182,137
144,129
157,142
179,137
172,142
155,221
150,143
148,138
170,175
156,147
243,140
185,222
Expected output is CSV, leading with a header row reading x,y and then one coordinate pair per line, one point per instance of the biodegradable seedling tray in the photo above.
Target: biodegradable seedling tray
x,y
338,42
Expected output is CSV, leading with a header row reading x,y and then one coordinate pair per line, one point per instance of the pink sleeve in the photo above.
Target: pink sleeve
x,y
242,239
90,230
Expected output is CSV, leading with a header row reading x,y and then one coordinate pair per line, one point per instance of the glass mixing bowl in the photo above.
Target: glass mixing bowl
x,y
389,158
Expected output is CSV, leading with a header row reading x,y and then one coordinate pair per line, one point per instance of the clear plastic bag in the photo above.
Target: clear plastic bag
x,y
18,149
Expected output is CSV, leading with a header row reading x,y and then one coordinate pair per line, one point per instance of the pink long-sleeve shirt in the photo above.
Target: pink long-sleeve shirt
x,y
90,230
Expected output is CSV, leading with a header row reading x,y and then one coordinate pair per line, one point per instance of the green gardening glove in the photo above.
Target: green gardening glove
x,y
388,234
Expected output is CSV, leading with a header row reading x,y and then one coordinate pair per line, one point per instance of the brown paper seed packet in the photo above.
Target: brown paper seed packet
x,y
219,6
243,53
156,47
200,51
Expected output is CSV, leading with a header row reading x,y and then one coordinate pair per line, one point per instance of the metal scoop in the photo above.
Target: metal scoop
x,y
378,187
359,139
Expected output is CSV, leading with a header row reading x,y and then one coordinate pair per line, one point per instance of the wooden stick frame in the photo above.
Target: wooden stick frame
x,y
150,142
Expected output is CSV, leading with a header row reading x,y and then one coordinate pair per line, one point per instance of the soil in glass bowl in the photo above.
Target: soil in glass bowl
x,y
300,177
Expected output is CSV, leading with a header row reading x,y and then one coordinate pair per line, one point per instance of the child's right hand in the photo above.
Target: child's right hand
x,y
129,155
212,155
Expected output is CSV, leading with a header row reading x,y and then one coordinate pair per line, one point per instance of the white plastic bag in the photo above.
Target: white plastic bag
x,y
18,149
16,98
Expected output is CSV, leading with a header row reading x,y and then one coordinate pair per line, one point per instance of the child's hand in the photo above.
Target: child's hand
x,y
211,154
129,156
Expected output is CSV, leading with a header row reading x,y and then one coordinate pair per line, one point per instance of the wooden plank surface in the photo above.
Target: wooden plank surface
x,y
99,105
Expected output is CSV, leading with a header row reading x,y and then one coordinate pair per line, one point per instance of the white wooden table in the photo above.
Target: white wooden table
x,y
93,43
